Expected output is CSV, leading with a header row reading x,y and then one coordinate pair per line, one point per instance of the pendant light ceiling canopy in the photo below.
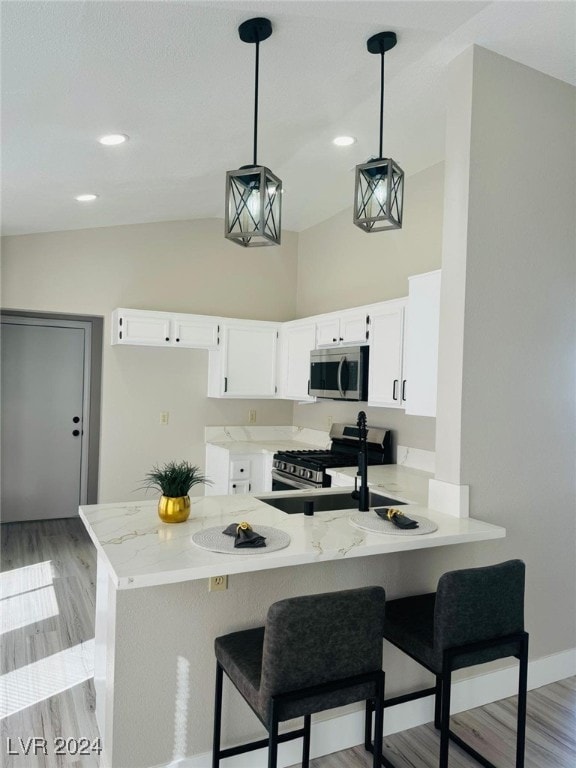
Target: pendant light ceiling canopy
x,y
253,193
379,187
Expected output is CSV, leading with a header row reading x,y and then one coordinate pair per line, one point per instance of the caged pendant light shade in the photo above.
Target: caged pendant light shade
x,y
253,193
379,187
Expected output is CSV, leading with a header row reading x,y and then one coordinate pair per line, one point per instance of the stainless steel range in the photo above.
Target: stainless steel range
x,y
307,469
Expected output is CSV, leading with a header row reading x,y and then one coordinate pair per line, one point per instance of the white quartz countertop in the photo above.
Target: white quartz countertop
x,y
403,483
244,447
141,551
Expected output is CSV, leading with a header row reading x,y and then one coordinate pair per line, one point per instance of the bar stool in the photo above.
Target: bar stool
x,y
315,652
475,616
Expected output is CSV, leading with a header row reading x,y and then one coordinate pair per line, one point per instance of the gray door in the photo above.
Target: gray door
x,y
42,397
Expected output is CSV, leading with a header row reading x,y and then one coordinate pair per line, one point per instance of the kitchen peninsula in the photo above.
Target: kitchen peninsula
x,y
156,621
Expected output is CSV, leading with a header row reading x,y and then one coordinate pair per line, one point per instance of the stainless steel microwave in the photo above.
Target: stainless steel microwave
x,y
339,373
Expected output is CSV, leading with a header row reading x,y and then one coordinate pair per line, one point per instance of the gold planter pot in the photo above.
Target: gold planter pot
x,y
174,509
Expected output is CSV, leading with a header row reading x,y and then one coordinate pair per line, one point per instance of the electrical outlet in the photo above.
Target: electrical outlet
x,y
164,416
217,583
252,416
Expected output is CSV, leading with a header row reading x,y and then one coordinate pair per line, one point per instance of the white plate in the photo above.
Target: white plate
x,y
369,521
216,541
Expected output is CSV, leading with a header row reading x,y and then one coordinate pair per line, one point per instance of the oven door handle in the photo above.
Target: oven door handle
x,y
340,366
301,485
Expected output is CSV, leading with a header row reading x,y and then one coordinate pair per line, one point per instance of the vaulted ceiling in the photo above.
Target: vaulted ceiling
x,y
176,79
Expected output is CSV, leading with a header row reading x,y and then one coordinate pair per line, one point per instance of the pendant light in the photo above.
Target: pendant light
x,y
379,188
253,193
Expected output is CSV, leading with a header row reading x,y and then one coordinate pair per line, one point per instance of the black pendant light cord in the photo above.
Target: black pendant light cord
x,y
256,100
381,103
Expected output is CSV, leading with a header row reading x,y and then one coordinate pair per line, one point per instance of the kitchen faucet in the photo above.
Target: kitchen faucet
x,y
363,495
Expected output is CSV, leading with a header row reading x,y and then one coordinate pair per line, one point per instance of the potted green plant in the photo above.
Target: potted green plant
x,y
174,481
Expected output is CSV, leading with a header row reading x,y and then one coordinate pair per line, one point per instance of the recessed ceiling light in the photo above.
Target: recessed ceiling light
x,y
113,139
85,198
344,141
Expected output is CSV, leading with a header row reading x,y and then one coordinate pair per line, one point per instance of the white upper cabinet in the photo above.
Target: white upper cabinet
x,y
197,331
422,330
297,340
245,364
342,328
385,369
164,329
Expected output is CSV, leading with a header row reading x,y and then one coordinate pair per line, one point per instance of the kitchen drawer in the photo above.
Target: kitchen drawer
x,y
239,486
240,469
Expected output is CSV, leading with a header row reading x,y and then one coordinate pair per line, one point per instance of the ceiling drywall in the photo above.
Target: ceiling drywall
x,y
175,77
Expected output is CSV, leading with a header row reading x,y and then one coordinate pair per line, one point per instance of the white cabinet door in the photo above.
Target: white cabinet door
x,y
231,473
141,327
249,360
296,342
342,328
353,327
328,331
422,328
385,371
195,331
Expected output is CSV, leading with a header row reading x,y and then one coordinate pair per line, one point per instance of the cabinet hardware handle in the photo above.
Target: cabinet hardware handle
x,y
334,339
367,335
341,338
249,486
177,339
76,419
120,321
233,485
75,432
394,387
367,319
167,338
225,384
404,390
308,386
120,334
241,469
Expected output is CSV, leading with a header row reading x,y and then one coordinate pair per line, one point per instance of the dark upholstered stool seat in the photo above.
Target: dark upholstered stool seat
x,y
475,616
315,653
240,654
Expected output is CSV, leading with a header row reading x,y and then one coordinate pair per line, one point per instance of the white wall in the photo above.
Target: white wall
x,y
340,266
172,266
510,311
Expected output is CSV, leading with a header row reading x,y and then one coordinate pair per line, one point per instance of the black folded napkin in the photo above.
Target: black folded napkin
x,y
244,535
397,517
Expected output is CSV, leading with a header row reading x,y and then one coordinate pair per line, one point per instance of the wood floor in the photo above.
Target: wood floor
x,y
47,590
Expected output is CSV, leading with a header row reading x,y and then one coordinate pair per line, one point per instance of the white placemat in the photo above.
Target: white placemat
x,y
369,521
216,541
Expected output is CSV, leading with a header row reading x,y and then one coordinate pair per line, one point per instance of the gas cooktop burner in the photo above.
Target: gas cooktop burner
x,y
307,468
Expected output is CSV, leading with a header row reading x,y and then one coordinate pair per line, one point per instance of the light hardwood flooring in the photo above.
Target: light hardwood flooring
x,y
47,625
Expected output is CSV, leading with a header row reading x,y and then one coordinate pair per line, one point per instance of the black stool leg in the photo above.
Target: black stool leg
x,y
445,716
306,742
217,717
368,725
522,691
273,736
378,721
437,701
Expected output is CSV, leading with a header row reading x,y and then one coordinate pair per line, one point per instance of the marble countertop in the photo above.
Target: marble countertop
x,y
141,551
252,439
404,483
245,447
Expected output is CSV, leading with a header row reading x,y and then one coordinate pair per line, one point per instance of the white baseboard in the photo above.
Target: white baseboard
x,y
347,731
